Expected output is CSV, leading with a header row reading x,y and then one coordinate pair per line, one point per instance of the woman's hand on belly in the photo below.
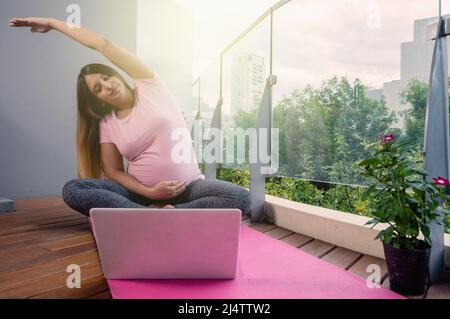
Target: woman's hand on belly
x,y
167,190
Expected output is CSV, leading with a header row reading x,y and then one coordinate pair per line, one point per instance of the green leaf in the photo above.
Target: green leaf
x,y
380,235
370,161
425,230
412,200
372,221
420,171
388,234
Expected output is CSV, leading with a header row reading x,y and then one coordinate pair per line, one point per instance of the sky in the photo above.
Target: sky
x,y
313,39
218,22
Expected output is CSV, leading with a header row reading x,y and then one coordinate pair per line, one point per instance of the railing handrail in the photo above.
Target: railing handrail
x,y
251,27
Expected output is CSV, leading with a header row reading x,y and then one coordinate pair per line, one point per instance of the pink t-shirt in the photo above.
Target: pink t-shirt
x,y
145,138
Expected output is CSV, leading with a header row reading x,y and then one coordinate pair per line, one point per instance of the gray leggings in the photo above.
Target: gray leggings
x,y
84,194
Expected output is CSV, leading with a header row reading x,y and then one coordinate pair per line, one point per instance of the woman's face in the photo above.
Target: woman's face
x,y
108,89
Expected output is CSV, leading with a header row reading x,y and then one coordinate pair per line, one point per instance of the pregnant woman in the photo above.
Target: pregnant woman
x,y
115,120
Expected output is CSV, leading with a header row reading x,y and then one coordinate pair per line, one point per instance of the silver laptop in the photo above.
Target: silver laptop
x,y
167,243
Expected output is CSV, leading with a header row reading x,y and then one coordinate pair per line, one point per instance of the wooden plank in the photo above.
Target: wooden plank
x,y
38,242
38,210
40,202
58,222
68,243
35,215
38,214
37,207
48,283
279,232
7,224
342,258
360,268
55,266
297,240
318,248
31,228
29,256
103,295
17,241
89,287
439,291
60,232
262,227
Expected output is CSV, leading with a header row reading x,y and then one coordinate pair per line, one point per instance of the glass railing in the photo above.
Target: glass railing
x,y
347,72
195,103
245,70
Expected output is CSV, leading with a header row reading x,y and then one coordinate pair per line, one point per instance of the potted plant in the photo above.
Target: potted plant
x,y
400,197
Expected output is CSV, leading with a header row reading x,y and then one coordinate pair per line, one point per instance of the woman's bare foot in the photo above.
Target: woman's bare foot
x,y
155,206
167,206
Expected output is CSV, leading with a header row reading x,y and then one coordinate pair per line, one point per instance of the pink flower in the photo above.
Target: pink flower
x,y
441,181
388,138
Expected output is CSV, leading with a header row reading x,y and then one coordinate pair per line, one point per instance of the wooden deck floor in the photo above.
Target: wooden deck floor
x,y
44,236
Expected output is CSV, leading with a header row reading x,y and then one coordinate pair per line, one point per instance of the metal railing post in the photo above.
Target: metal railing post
x,y
436,145
216,123
260,171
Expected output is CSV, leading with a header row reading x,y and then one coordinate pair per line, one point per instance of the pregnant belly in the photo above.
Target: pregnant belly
x,y
152,172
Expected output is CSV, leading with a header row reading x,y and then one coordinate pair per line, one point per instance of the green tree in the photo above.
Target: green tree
x,y
324,130
415,95
244,119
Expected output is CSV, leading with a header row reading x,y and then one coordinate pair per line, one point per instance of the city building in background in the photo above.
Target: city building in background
x,y
247,83
416,57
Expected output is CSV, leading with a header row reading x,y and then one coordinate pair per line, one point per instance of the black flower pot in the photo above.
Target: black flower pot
x,y
408,269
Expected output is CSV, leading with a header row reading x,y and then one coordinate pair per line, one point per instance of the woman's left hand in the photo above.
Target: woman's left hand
x,y
166,190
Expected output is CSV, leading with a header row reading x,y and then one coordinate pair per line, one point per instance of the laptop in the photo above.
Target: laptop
x,y
167,243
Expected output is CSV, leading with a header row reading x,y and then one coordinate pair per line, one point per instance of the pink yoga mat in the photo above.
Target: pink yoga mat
x,y
267,269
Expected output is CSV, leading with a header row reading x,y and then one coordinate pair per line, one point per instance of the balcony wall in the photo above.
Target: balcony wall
x,y
339,228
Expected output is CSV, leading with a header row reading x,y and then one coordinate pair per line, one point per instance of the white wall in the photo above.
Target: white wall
x,y
38,91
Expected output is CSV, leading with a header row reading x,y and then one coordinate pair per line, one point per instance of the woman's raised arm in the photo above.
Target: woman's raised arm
x,y
120,57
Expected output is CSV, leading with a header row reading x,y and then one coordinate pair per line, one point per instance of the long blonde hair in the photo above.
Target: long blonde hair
x,y
90,111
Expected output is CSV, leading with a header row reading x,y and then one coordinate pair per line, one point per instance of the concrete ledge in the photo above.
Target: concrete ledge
x,y
341,229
